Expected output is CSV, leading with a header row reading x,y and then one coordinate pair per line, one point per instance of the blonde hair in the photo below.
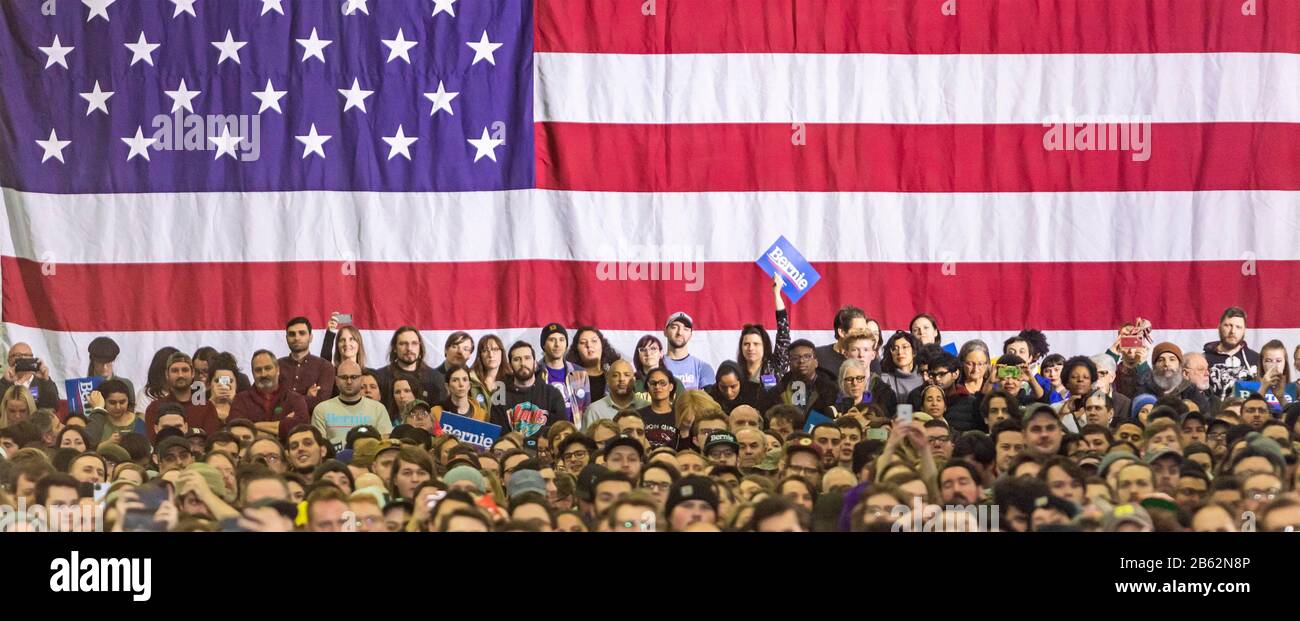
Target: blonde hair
x,y
16,393
694,403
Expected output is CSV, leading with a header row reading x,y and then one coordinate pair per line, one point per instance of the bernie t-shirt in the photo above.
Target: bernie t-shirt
x,y
559,379
693,372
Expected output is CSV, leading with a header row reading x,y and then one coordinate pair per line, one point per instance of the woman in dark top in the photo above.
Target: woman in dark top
x,y
758,360
730,389
659,417
591,351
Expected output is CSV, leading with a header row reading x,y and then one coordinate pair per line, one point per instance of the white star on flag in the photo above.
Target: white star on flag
x,y
53,147
441,6
399,47
184,6
139,144
182,97
57,53
270,98
313,143
441,100
225,143
229,48
399,143
96,99
483,49
272,5
314,47
142,49
356,96
353,5
486,146
98,8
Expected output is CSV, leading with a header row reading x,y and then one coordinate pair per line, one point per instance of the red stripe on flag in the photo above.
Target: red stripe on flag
x,y
916,26
907,158
484,295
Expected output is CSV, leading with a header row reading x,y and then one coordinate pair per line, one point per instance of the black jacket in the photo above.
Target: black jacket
x,y
529,410
1225,369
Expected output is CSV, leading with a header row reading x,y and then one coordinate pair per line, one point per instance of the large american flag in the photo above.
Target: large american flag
x,y
469,164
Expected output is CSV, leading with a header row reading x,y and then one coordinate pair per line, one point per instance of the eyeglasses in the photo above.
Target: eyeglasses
x,y
855,379
802,471
802,358
647,349
270,458
657,383
1264,495
656,486
575,455
940,439
420,415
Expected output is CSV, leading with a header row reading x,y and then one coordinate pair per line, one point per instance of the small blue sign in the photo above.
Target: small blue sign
x,y
467,430
950,348
79,390
815,418
782,258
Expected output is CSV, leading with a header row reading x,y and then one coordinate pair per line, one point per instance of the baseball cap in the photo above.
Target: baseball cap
x,y
1111,458
465,473
624,440
1153,455
586,489
524,481
721,438
1090,460
171,442
113,453
692,487
804,445
412,435
682,317
1126,514
360,431
1036,409
1060,504
410,407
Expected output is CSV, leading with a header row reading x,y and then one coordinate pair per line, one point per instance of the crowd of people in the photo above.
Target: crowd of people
x,y
869,432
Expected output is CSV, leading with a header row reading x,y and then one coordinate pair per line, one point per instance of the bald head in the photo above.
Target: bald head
x,y
743,416
620,380
19,350
348,378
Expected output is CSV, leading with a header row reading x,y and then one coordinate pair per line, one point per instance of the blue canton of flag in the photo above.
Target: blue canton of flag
x,y
267,95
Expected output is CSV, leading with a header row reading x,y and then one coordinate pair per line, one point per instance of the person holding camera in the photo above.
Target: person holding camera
x,y
24,369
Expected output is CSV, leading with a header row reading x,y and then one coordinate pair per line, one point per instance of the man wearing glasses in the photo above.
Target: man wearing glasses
x,y
803,387
940,438
803,459
337,416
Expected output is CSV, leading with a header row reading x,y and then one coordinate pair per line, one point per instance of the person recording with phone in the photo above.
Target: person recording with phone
x,y
212,416
24,369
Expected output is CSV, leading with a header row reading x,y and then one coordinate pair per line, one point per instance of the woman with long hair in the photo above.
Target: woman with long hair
x,y
592,351
660,420
925,329
758,360
650,355
155,383
487,367
1274,377
458,399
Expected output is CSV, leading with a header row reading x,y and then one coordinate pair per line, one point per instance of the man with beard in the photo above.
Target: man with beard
x,y
530,406
1229,358
271,406
693,372
960,483
308,375
180,389
1167,377
307,448
406,356
621,386
1196,370
568,379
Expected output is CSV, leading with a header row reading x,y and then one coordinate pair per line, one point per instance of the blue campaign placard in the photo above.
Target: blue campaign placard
x,y
78,391
784,259
470,431
815,418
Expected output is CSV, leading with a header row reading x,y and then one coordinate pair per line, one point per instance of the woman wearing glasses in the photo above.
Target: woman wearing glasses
x,y
854,380
899,366
659,417
650,355
973,382
487,365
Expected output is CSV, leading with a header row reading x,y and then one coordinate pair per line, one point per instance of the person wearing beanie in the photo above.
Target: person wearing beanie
x,y
525,481
465,478
691,499
103,353
1141,401
1166,377
568,378
201,491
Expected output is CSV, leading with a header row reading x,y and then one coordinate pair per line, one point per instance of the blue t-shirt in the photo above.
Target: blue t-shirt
x,y
693,372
